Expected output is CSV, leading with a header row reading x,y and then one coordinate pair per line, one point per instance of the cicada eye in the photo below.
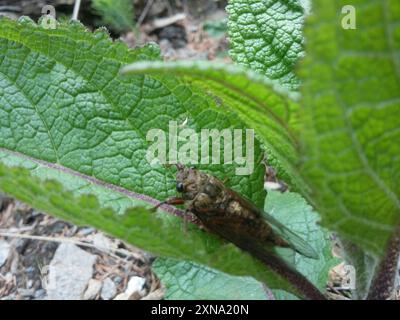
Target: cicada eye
x,y
179,187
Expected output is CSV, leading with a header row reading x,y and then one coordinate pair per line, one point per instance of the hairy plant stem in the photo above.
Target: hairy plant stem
x,y
383,282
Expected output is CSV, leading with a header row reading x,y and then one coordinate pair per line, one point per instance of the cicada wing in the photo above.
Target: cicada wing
x,y
296,242
235,230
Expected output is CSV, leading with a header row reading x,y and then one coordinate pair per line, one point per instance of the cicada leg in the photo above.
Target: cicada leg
x,y
171,201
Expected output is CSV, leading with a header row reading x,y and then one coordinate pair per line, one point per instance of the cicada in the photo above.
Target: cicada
x,y
231,216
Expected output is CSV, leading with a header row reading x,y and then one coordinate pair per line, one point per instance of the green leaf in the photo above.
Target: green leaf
x,y
283,295
64,102
266,36
352,119
116,14
262,104
78,128
188,280
294,212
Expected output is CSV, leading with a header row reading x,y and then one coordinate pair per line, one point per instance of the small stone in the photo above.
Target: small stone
x,y
136,286
69,272
57,227
40,294
9,277
155,295
37,284
29,284
85,231
93,288
30,269
101,242
26,293
5,248
117,279
109,290
122,296
20,245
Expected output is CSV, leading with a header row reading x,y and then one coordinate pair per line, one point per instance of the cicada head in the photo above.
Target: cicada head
x,y
190,182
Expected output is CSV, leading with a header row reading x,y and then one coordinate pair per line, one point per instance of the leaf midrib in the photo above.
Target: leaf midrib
x,y
93,180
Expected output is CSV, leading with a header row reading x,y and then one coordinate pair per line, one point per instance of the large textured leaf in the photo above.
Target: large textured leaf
x,y
266,36
63,102
294,212
186,280
67,115
352,119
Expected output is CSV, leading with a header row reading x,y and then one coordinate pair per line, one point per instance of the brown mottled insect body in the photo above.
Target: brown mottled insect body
x,y
229,215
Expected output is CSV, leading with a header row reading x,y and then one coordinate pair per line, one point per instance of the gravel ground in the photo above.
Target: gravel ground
x,y
42,257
